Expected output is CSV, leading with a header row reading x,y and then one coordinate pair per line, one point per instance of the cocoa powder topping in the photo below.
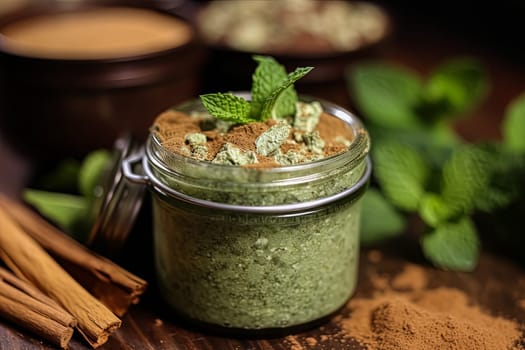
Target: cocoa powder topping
x,y
173,127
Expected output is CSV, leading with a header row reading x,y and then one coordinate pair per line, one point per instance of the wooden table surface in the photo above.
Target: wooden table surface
x,y
498,284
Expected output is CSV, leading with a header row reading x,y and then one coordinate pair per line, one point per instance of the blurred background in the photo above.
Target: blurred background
x,y
419,35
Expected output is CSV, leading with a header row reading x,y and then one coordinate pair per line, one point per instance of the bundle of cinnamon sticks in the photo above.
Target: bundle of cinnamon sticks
x,y
56,284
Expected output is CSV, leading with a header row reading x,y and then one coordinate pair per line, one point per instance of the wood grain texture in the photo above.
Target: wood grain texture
x,y
498,285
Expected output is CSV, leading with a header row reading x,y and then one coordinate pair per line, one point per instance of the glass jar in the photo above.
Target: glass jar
x,y
256,248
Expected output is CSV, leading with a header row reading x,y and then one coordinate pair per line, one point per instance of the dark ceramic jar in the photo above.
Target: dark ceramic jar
x,y
52,107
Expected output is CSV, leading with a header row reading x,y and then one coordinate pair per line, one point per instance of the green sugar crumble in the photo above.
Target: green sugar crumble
x,y
197,144
289,158
307,116
231,155
269,142
314,142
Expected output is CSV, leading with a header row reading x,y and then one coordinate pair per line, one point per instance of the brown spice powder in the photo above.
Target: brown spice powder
x,y
425,319
294,343
375,256
173,126
413,277
521,304
311,341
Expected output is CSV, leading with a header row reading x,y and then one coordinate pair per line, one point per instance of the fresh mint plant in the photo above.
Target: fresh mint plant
x,y
387,95
394,97
424,169
273,95
452,89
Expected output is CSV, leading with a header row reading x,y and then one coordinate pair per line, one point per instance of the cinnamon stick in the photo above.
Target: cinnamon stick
x,y
30,262
26,306
108,282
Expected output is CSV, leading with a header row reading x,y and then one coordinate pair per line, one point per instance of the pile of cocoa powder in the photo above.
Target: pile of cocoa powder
x,y
172,127
404,313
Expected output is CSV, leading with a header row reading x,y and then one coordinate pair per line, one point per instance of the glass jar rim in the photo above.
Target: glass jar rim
x,y
159,165
357,150
354,191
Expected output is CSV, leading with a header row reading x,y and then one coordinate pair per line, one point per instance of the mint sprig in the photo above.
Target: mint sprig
x,y
273,95
227,107
433,174
268,77
270,106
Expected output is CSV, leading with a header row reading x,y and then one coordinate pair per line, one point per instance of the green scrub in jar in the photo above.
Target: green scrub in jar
x,y
256,226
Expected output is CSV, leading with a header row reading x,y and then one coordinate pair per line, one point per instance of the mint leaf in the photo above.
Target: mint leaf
x,y
270,109
385,94
268,77
442,133
466,175
453,245
506,183
402,173
285,105
432,209
65,210
514,125
475,177
227,107
379,219
92,168
454,87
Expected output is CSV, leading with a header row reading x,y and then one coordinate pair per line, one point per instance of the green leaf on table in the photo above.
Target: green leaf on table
x,y
401,172
271,107
385,94
62,178
454,87
227,107
379,219
268,77
93,167
514,125
453,245
65,210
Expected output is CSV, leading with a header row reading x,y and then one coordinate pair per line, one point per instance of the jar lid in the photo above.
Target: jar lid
x,y
118,203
